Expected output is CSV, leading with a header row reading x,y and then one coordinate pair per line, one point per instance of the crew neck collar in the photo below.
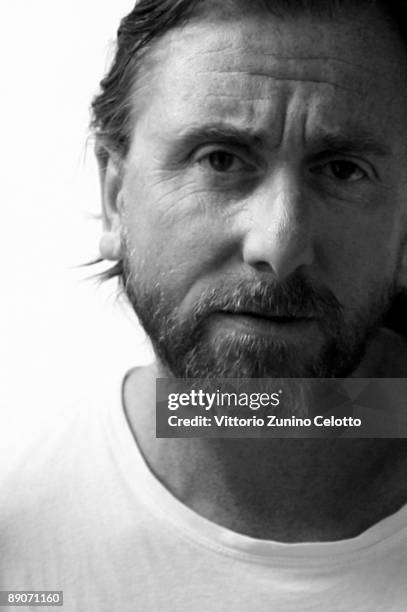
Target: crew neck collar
x,y
189,524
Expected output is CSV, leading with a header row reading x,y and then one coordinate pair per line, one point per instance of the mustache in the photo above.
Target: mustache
x,y
297,297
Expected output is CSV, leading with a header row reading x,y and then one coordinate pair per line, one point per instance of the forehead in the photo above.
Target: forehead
x,y
251,69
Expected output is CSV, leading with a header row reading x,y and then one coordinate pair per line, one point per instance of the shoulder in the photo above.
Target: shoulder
x,y
38,457
40,464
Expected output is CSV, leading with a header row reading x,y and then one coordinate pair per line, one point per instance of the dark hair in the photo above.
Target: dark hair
x,y
111,108
147,22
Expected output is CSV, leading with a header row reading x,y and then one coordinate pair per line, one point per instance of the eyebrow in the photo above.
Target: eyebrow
x,y
356,140
221,132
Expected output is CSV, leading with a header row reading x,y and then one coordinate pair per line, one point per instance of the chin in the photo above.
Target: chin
x,y
260,358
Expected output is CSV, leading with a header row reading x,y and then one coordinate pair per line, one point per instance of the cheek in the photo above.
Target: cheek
x,y
361,259
175,235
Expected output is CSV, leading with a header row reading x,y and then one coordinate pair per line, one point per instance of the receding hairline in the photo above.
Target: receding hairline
x,y
114,117
219,11
222,10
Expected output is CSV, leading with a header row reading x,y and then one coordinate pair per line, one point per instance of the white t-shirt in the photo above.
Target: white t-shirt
x,y
82,513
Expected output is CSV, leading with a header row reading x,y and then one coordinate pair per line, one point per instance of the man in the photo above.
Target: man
x,y
253,162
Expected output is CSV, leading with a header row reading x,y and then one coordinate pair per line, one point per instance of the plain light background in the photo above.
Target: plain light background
x,y
60,335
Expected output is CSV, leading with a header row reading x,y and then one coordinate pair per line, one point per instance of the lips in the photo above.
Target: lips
x,y
255,323
267,317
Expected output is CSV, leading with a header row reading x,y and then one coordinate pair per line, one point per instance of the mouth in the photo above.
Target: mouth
x,y
261,323
271,318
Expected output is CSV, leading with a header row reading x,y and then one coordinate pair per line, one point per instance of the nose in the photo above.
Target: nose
x,y
279,236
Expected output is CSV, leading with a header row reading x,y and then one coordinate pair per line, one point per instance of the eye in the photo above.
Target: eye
x,y
342,170
222,161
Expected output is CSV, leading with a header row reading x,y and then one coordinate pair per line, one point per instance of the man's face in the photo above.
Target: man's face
x,y
263,196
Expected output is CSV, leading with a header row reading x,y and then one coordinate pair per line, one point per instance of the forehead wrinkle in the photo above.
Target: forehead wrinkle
x,y
317,71
204,61
291,59
278,78
263,105
236,50
254,114
234,38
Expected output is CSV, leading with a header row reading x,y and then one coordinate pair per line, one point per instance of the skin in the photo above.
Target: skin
x,y
312,182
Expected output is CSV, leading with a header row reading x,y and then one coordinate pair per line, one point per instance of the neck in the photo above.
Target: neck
x,y
281,489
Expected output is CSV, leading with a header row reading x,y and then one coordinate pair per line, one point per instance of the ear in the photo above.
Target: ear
x,y
110,185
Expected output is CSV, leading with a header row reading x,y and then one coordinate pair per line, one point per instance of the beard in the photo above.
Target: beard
x,y
186,349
